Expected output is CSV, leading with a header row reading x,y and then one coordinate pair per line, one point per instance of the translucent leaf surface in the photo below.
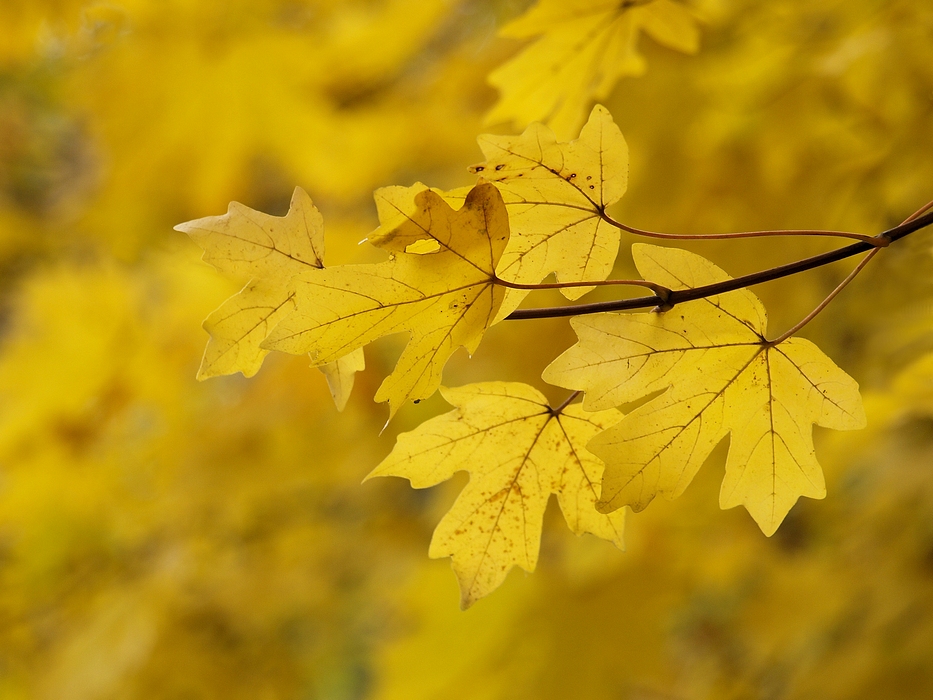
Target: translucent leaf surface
x,y
444,300
273,250
518,451
556,194
719,376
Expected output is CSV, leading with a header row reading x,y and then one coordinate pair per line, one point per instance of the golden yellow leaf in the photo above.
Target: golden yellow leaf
x,y
395,204
272,250
556,194
718,376
240,324
444,299
584,47
247,243
518,451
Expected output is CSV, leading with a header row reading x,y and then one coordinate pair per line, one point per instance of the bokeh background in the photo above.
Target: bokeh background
x,y
164,538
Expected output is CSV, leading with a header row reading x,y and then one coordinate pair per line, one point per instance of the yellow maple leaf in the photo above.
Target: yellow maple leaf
x,y
396,203
518,451
240,324
273,251
584,47
444,299
718,376
556,194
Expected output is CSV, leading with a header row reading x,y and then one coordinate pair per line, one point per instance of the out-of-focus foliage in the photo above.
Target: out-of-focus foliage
x,y
581,49
163,538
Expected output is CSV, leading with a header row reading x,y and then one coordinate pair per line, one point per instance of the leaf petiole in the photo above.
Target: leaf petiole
x,y
658,289
738,234
566,402
823,304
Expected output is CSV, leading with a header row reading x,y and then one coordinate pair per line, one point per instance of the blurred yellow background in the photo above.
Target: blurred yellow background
x,y
164,538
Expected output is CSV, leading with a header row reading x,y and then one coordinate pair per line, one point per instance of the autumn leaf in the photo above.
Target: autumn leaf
x,y
583,48
340,375
273,251
718,376
556,194
240,325
396,205
444,299
518,451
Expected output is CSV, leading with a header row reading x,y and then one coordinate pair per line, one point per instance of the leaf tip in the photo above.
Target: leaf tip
x,y
372,475
300,197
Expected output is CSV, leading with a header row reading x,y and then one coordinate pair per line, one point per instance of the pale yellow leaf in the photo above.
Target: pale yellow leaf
x,y
583,48
273,250
718,376
240,325
444,300
518,451
248,243
397,204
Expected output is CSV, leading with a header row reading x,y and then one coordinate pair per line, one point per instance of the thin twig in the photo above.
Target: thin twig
x,y
682,295
823,304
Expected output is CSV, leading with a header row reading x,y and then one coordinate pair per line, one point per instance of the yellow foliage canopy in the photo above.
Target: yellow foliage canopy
x,y
518,451
583,49
162,538
719,376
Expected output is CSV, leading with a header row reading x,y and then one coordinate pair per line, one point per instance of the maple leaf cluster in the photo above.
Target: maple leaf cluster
x,y
453,273
163,538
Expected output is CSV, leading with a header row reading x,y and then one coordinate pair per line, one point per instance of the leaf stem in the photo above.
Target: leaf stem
x,y
682,295
917,213
739,234
823,304
569,400
658,289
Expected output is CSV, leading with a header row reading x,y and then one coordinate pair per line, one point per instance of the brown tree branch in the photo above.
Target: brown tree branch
x,y
682,295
